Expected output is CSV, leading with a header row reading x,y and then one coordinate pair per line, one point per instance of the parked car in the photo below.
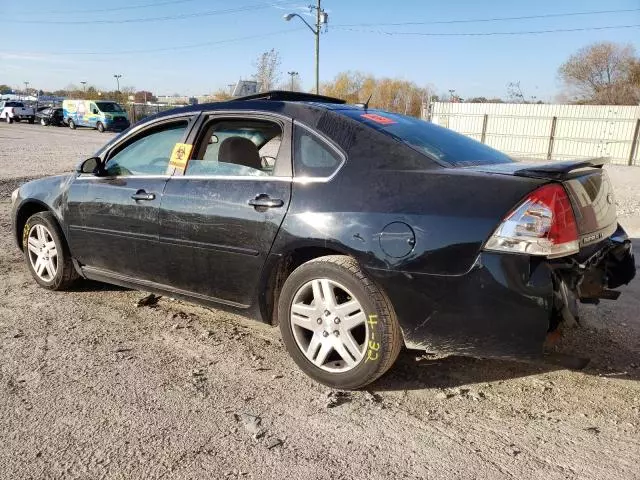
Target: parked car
x,y
358,231
101,115
50,116
11,111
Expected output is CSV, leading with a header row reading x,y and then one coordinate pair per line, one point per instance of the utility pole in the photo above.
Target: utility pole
x,y
293,74
451,96
321,19
26,89
84,86
318,13
231,85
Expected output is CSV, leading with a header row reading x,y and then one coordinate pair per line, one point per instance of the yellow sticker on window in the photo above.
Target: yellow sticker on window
x,y
180,155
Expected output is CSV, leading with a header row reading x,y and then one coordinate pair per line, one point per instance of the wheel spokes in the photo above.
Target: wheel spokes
x,y
323,353
353,321
34,245
352,347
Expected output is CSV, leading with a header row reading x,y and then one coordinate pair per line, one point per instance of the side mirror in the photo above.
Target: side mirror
x,y
95,111
91,165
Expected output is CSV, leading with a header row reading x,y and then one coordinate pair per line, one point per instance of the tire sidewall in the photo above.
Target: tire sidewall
x,y
100,127
46,220
374,354
72,124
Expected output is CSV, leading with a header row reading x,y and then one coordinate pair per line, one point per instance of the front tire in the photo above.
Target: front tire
x,y
100,127
336,324
43,122
46,252
32,121
72,124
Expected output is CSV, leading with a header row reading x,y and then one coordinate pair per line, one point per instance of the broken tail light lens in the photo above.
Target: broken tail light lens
x,y
543,224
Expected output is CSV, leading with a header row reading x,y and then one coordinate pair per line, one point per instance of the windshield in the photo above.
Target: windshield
x,y
438,143
109,107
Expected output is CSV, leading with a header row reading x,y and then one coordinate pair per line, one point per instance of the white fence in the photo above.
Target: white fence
x,y
551,132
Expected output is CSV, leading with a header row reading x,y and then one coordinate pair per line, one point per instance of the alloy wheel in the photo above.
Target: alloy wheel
x,y
43,253
329,325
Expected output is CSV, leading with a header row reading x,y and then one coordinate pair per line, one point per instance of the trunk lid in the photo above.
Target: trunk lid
x,y
587,185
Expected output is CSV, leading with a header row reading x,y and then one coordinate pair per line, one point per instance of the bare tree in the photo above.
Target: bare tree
x,y
267,70
514,92
602,73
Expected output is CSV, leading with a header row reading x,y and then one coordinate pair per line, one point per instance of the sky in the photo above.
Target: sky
x,y
195,47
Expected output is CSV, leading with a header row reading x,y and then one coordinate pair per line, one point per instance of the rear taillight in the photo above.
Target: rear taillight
x,y
543,224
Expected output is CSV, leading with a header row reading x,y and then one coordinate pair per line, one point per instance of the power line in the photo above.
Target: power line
x,y
117,9
486,34
494,19
148,19
178,47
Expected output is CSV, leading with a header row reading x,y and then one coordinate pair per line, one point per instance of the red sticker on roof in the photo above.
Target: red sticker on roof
x,y
378,118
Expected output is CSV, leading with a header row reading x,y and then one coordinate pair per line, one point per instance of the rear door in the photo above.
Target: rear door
x,y
219,218
113,218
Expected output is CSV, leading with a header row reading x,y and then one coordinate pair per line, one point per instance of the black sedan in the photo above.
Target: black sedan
x,y
358,231
50,116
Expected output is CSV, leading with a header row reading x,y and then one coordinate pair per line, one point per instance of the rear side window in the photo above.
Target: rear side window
x,y
437,143
237,148
312,156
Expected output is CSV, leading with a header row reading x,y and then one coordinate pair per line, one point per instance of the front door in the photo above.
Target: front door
x,y
219,220
113,218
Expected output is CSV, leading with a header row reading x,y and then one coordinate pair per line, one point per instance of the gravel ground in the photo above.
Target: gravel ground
x,y
92,386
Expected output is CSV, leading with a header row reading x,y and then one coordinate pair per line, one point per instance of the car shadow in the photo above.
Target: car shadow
x,y
606,343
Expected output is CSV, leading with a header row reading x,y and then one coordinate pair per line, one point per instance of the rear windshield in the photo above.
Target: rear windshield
x,y
108,107
14,104
438,143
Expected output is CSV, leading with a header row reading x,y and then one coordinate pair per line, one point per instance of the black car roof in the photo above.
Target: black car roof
x,y
292,104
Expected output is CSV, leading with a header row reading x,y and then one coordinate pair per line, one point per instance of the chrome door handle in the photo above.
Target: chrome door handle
x,y
142,195
265,201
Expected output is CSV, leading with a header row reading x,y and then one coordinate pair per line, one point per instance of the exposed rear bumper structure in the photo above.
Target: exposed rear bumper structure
x,y
506,304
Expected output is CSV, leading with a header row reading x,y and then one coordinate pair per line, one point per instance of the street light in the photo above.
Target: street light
x,y
321,19
84,86
293,74
117,77
26,88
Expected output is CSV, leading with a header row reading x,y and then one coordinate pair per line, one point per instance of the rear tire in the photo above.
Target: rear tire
x,y
348,342
9,119
72,124
32,121
100,127
46,252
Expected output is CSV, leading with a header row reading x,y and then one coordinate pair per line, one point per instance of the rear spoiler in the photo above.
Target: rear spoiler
x,y
560,169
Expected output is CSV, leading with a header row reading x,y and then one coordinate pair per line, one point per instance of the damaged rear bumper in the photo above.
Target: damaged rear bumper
x,y
506,304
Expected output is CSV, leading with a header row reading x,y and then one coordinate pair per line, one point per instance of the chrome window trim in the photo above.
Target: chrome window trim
x,y
231,177
88,176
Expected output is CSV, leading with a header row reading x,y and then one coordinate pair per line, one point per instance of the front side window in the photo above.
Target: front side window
x,y
312,156
149,153
109,107
237,148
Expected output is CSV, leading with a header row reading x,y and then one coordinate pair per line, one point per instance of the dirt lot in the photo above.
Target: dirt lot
x,y
92,386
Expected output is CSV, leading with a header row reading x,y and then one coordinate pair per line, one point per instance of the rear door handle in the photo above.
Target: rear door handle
x,y
265,201
142,195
